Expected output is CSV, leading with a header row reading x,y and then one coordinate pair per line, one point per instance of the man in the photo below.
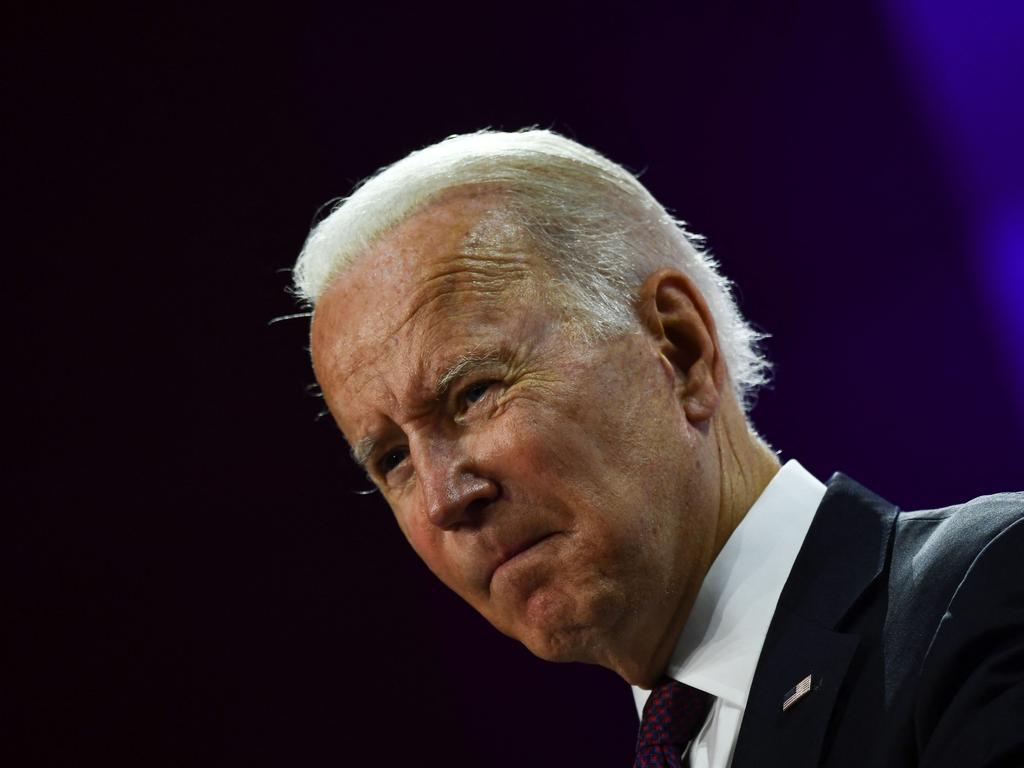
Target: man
x,y
547,380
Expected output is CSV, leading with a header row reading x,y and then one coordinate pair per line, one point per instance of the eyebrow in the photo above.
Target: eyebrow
x,y
363,450
463,365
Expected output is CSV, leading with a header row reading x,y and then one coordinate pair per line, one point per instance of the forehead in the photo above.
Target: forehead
x,y
441,281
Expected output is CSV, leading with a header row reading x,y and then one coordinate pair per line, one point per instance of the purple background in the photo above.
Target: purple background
x,y
194,582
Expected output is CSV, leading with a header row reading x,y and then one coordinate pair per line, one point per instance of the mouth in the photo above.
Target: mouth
x,y
509,556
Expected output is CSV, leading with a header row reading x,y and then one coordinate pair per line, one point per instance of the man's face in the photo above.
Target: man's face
x,y
557,486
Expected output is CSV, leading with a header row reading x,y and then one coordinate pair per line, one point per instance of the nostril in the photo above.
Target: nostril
x,y
480,501
475,511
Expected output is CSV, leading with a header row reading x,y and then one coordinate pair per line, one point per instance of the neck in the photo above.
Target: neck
x,y
746,465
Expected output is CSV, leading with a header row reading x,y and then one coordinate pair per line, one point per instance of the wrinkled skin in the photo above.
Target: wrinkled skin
x,y
570,492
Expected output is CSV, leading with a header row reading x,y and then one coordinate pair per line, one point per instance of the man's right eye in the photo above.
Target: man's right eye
x,y
390,460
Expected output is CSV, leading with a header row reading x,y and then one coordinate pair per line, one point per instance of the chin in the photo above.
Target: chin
x,y
555,628
567,645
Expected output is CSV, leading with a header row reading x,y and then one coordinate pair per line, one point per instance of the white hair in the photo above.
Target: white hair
x,y
601,232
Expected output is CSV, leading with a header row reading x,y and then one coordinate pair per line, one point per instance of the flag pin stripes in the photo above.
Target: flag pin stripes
x,y
798,692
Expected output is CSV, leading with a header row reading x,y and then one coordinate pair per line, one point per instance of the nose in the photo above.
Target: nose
x,y
454,493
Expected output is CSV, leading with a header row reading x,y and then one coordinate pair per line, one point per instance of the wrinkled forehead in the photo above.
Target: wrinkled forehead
x,y
447,269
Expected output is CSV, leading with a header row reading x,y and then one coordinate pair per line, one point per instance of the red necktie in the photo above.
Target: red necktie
x,y
673,715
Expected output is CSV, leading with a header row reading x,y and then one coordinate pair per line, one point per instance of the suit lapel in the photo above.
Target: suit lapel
x,y
846,548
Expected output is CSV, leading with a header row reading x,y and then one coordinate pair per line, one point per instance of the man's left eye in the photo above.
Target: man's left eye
x,y
474,392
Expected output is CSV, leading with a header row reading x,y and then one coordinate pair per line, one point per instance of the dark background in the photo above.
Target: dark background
x,y
192,579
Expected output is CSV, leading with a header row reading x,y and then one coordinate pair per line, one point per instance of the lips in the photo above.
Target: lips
x,y
506,554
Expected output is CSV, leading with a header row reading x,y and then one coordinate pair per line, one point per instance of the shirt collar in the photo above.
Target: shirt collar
x,y
718,648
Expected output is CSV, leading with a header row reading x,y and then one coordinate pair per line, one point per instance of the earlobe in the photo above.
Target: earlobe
x,y
677,318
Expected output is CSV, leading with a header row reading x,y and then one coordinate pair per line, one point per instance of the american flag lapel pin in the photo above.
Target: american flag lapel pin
x,y
796,693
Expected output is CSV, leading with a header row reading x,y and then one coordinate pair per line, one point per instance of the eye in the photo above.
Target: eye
x,y
474,392
391,460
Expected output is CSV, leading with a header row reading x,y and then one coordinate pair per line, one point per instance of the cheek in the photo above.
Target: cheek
x,y
517,449
564,470
570,456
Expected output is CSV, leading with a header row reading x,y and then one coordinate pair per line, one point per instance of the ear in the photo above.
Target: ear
x,y
673,312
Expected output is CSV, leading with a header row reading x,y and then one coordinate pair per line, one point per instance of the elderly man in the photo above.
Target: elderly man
x,y
548,382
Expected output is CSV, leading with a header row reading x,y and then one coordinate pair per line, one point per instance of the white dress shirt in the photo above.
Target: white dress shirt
x,y
718,648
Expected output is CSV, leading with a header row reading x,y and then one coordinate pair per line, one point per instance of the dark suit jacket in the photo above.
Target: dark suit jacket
x,y
911,625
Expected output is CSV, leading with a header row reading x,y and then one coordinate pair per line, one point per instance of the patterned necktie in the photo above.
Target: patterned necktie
x,y
673,715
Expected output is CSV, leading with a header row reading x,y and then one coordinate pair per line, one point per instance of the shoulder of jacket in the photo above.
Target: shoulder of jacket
x,y
934,552
959,531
